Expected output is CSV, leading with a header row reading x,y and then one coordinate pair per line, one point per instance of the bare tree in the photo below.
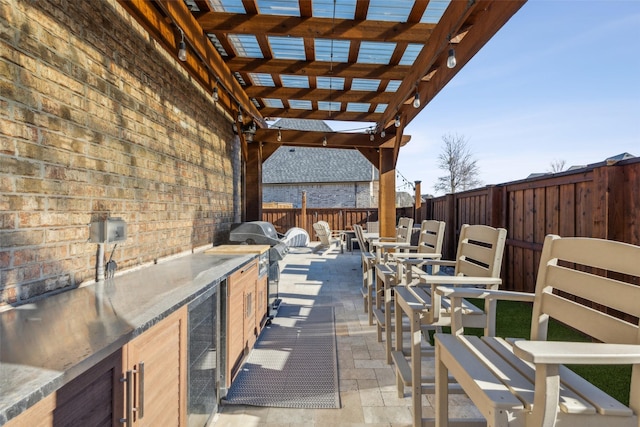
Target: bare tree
x,y
462,169
557,165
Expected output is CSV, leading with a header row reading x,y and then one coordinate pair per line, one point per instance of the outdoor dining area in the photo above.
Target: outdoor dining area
x,y
134,138
420,339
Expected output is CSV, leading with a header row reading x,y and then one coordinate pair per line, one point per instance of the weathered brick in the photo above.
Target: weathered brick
x,y
7,220
21,238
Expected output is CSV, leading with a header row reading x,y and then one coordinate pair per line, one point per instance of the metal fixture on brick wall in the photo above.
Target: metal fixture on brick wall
x,y
109,230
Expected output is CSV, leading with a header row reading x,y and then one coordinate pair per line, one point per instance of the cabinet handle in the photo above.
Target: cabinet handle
x,y
129,399
141,390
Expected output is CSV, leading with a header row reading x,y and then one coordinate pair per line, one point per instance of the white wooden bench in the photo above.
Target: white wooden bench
x,y
390,272
478,262
525,382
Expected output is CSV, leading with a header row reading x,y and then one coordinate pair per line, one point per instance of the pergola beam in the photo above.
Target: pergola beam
x,y
313,94
328,28
333,139
318,68
292,113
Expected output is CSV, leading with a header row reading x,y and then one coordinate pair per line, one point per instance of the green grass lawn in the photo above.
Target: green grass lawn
x,y
514,321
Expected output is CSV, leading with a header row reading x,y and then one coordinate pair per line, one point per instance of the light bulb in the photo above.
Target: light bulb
x,y
416,101
383,134
371,137
397,122
182,51
451,60
240,118
215,95
324,141
279,136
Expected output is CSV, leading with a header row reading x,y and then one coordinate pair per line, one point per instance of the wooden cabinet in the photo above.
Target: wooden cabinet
x,y
93,399
154,363
157,362
241,316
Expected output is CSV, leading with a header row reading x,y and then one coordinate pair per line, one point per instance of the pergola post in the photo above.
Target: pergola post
x,y
253,182
387,192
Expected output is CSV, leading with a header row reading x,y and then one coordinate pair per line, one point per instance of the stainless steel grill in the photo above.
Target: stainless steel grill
x,y
263,233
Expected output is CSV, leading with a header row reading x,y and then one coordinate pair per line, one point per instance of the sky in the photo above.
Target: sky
x,y
560,81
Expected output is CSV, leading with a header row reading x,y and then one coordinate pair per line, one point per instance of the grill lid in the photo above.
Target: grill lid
x,y
254,233
259,233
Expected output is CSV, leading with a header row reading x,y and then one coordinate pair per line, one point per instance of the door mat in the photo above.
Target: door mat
x,y
293,364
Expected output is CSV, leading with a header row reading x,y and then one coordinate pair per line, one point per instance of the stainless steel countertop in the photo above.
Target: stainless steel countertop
x,y
47,343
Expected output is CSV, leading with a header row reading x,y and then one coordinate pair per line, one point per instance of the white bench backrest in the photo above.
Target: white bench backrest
x,y
573,272
480,251
431,236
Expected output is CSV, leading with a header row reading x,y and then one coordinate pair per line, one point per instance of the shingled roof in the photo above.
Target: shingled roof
x,y
310,164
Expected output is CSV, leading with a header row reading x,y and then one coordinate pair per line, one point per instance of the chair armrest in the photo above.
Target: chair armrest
x,y
409,257
480,293
586,353
443,262
458,280
390,244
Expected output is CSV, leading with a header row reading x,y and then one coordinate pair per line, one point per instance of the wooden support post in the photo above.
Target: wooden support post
x,y
417,214
387,193
303,211
253,182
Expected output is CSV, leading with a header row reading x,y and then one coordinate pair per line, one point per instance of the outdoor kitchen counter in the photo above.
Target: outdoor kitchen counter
x,y
49,342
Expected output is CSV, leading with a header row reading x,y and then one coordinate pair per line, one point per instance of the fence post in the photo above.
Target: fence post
x,y
303,211
608,214
417,213
495,209
451,233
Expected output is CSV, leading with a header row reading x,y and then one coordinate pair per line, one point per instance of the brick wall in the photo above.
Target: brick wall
x,y
333,195
96,120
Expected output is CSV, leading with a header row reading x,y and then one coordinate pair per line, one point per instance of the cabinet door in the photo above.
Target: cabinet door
x,y
157,364
93,399
240,316
262,302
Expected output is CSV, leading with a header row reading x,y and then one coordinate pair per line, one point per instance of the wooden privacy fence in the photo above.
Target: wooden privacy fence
x,y
338,218
602,200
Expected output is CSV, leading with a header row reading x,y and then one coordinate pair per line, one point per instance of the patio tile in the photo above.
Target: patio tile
x,y
368,393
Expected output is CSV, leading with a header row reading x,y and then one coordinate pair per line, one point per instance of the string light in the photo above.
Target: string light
x,y
397,122
451,60
324,141
215,94
182,47
383,134
240,118
279,136
416,100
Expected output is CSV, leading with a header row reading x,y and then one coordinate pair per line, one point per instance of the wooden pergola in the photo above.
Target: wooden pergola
x,y
365,61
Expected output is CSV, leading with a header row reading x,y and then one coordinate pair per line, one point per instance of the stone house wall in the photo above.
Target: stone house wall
x,y
324,195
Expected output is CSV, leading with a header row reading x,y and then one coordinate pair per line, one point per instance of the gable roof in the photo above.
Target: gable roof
x,y
302,124
310,164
